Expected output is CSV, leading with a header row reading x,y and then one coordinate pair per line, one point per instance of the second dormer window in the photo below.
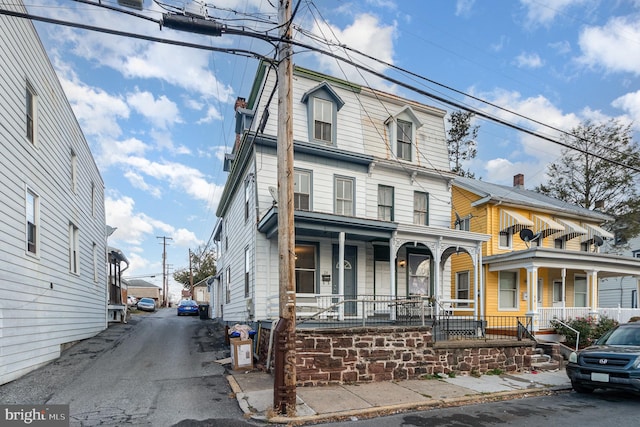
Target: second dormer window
x,y
322,119
404,140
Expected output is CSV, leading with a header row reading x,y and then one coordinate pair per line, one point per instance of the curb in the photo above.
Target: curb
x,y
394,409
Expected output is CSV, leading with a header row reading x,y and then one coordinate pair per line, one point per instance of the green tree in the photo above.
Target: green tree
x,y
583,176
461,141
203,265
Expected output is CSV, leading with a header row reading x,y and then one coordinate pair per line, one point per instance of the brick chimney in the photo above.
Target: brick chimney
x,y
518,181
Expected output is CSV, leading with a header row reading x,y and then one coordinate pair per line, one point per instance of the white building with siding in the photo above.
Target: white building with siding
x,y
622,291
52,228
372,194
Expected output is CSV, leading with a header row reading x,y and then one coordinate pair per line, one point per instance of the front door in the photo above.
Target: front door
x,y
558,296
350,284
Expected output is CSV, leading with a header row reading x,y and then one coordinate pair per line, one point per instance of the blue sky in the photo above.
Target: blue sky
x,y
158,118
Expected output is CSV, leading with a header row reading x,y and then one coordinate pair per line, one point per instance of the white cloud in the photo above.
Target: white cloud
x,y
464,7
543,12
212,115
160,111
366,34
614,46
529,60
629,103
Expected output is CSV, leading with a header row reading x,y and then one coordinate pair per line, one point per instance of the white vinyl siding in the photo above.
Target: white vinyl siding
x,y
40,166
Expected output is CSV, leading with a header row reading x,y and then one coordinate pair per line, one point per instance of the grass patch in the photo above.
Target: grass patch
x,y
495,371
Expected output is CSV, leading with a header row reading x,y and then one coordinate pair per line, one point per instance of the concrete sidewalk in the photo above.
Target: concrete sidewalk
x,y
254,392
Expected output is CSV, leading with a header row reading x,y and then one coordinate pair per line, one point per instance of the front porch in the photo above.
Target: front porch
x,y
450,319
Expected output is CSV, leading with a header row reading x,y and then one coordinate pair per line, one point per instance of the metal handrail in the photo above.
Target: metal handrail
x,y
574,330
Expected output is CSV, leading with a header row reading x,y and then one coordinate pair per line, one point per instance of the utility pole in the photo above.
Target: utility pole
x,y
284,392
190,275
165,287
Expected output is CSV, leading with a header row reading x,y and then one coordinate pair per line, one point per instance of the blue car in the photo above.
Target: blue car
x,y
187,306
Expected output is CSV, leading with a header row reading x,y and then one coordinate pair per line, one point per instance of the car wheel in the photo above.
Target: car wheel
x,y
579,388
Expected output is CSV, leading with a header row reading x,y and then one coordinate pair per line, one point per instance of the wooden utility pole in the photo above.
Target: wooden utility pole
x,y
285,375
165,284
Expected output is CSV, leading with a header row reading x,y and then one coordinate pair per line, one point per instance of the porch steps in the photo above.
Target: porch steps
x,y
540,361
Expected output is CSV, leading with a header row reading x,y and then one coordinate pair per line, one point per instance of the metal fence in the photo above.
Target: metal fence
x,y
333,311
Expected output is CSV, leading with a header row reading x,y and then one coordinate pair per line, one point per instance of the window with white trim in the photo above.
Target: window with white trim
x,y
322,120
508,290
420,208
31,113
305,268
93,199
247,197
404,137
344,196
302,190
74,171
557,291
580,291
228,286
462,287
385,203
74,249
32,222
246,272
504,239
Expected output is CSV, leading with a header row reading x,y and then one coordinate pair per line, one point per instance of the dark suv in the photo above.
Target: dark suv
x,y
612,362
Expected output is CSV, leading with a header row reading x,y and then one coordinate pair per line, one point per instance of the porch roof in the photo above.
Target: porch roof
x,y
320,224
607,265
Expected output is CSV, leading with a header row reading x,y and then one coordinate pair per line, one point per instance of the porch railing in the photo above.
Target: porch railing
x,y
546,314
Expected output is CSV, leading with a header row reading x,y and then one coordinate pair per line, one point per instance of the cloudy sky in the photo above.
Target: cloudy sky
x,y
158,117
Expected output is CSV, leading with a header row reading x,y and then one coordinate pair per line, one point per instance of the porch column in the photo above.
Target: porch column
x,y
478,282
564,293
532,296
341,274
392,273
436,275
592,285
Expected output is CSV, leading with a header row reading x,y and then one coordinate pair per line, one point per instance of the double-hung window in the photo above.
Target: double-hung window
x,y
305,269
420,208
508,290
462,287
322,120
247,198
344,195
74,249
580,291
302,190
504,239
403,137
74,171
31,108
32,221
247,262
385,203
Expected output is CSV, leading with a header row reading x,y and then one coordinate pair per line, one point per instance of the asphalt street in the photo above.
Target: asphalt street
x,y
159,369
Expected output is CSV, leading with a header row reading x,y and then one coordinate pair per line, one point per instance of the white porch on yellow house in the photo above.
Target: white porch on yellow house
x,y
563,284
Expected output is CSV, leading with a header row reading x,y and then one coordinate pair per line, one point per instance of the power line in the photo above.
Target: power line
x,y
274,39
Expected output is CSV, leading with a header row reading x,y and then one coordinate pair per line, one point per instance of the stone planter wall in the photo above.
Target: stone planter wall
x,y
356,355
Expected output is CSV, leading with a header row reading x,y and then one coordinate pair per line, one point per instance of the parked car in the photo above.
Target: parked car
x,y
187,306
612,362
146,304
132,301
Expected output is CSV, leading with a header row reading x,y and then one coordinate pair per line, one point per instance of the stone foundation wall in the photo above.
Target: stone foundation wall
x,y
355,355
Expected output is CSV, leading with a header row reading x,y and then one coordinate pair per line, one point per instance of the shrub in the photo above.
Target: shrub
x,y
590,329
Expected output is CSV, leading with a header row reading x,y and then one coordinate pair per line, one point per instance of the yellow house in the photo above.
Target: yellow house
x,y
543,259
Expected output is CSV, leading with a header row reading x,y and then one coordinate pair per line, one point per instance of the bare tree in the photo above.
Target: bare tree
x,y
584,176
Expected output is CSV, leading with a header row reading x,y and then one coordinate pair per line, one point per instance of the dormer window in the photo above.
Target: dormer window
x,y
402,130
404,136
323,104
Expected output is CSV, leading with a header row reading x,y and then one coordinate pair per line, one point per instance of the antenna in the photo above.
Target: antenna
x,y
274,194
597,240
458,220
